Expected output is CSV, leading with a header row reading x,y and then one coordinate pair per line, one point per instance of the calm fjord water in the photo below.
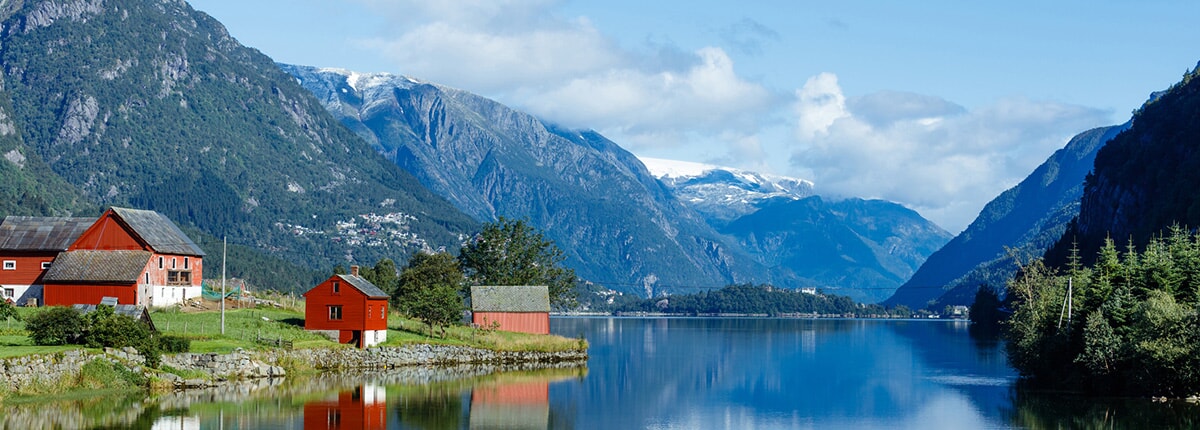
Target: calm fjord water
x,y
655,373
784,373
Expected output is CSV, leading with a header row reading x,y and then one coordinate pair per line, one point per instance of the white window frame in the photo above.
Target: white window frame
x,y
185,263
45,265
335,311
10,293
10,264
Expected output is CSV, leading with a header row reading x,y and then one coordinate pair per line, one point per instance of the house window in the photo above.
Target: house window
x,y
172,262
383,312
369,309
335,313
9,293
185,263
336,287
10,264
45,265
147,277
160,261
179,277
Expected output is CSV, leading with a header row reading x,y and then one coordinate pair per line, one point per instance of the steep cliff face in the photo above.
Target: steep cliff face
x,y
1025,219
1145,179
152,104
616,223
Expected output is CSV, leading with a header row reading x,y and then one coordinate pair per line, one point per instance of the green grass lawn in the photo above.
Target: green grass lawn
x,y
17,345
243,328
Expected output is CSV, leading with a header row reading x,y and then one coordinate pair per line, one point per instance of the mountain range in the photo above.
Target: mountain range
x,y
859,248
153,105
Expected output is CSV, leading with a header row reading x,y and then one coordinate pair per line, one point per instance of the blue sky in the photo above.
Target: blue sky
x,y
939,105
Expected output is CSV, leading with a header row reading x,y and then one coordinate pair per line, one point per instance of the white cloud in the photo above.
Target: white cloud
x,y
935,156
659,100
564,70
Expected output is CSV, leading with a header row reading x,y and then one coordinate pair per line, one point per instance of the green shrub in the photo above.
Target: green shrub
x,y
174,344
55,326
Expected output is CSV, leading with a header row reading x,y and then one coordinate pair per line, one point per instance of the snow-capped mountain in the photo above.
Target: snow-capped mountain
x,y
723,194
854,247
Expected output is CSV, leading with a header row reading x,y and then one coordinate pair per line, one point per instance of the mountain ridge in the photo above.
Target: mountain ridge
x,y
616,223
1026,219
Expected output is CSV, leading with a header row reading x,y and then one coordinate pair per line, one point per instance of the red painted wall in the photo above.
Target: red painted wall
x,y
107,234
29,269
70,294
359,312
524,322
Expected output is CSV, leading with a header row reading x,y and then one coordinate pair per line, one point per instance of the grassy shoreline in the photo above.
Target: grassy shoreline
x,y
249,329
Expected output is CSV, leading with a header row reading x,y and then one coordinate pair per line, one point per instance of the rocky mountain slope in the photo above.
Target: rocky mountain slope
x,y
617,225
859,248
1145,179
152,104
1026,219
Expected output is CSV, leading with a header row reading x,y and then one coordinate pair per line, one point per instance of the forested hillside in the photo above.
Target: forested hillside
x,y
153,105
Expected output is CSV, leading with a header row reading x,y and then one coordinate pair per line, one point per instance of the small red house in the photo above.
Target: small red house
x,y
347,308
27,247
138,256
523,308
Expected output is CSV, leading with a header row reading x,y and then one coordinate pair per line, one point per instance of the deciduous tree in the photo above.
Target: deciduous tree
x,y
511,252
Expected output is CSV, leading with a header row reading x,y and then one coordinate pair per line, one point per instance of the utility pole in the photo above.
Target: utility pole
x,y
224,252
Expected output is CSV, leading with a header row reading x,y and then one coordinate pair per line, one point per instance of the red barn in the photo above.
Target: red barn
x,y
28,245
348,308
138,256
522,308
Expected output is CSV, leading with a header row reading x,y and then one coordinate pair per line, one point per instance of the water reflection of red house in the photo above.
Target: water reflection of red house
x,y
364,407
515,405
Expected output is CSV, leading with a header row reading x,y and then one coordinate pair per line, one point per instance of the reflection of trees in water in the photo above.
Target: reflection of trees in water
x,y
112,410
1035,411
431,410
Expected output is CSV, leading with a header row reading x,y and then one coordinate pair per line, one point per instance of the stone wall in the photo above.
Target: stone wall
x,y
410,355
41,370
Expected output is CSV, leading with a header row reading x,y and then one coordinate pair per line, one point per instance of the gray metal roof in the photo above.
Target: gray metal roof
x,y
136,312
97,266
510,298
158,231
27,233
364,286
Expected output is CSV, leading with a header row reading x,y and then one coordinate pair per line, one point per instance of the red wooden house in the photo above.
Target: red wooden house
x,y
347,308
28,245
523,308
363,408
138,256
